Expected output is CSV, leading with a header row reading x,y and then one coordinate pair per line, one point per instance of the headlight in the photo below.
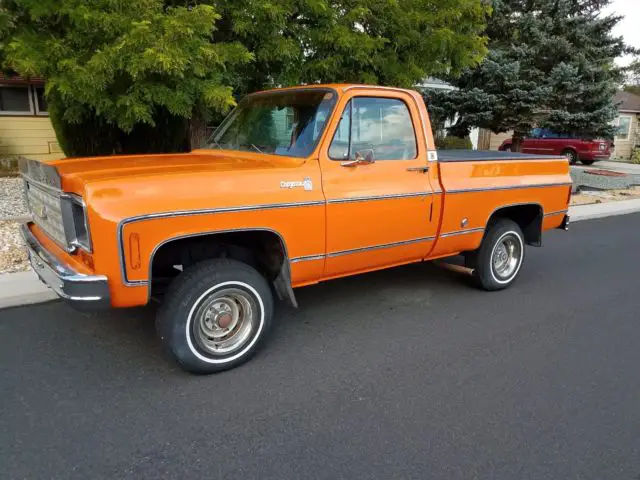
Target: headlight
x,y
76,227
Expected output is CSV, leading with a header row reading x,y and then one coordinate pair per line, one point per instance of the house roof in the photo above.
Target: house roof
x,y
628,102
19,80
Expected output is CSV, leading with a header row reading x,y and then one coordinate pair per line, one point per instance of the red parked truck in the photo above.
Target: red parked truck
x,y
543,141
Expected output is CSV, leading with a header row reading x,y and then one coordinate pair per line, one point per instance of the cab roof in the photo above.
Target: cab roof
x,y
338,87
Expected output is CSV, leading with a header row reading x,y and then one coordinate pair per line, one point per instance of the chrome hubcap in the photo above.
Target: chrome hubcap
x,y
506,256
224,321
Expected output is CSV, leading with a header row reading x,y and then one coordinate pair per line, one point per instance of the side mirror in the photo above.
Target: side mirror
x,y
363,157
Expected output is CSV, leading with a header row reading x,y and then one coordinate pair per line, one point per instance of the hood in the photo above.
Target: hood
x,y
76,172
123,186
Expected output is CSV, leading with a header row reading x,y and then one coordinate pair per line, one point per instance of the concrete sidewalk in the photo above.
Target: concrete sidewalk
x,y
25,288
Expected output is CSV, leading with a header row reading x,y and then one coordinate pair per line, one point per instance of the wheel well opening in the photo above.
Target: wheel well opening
x,y
264,250
528,217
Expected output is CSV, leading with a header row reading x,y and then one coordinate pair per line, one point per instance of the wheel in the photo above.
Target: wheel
x,y
216,315
507,148
587,162
498,261
571,155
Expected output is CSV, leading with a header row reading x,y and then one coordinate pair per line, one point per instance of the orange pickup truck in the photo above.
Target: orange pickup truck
x,y
296,186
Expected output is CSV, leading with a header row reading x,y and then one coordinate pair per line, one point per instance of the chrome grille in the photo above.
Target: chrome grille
x,y
46,210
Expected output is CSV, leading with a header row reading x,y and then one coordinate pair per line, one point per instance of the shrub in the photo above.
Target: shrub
x,y
635,156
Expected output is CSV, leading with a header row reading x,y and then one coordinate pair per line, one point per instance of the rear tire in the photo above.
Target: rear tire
x,y
215,316
499,259
587,162
571,155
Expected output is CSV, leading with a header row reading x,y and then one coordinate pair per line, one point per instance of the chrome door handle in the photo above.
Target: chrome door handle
x,y
424,169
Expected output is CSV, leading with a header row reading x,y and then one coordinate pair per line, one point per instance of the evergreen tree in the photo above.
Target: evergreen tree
x,y
550,64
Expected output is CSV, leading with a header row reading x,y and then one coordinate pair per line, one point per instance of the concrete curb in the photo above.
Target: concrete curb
x,y
602,210
20,219
24,288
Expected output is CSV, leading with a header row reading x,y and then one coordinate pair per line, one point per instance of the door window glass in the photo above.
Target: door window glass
x,y
550,134
380,128
339,148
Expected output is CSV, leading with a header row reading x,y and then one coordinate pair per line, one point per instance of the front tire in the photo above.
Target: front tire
x,y
587,162
216,315
500,257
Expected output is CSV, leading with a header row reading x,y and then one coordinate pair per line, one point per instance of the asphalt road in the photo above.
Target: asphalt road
x,y
408,373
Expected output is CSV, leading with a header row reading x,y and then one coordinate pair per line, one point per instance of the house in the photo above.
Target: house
x,y
25,128
628,135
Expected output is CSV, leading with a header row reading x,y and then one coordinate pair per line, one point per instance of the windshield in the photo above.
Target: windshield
x,y
282,123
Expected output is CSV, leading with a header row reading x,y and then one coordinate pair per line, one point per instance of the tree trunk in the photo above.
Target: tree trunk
x,y
516,141
197,131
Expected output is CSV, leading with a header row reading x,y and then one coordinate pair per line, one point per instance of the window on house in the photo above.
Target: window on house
x,y
15,100
40,100
623,123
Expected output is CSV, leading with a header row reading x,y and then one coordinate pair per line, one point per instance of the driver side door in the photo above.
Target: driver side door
x,y
374,177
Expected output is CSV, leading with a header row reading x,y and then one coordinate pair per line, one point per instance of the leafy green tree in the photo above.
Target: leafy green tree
x,y
385,42
141,73
126,74
550,64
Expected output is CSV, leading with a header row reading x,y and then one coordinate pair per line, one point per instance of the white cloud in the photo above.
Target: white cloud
x,y
629,26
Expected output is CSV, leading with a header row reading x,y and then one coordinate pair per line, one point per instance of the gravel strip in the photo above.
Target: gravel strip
x,y
12,202
13,256
604,196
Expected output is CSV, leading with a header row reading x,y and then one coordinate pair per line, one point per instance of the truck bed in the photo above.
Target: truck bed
x,y
488,155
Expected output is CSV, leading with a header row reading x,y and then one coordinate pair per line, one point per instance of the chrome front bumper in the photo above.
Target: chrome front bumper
x,y
80,290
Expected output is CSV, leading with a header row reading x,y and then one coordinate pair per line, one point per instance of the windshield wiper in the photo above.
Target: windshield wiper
x,y
257,149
